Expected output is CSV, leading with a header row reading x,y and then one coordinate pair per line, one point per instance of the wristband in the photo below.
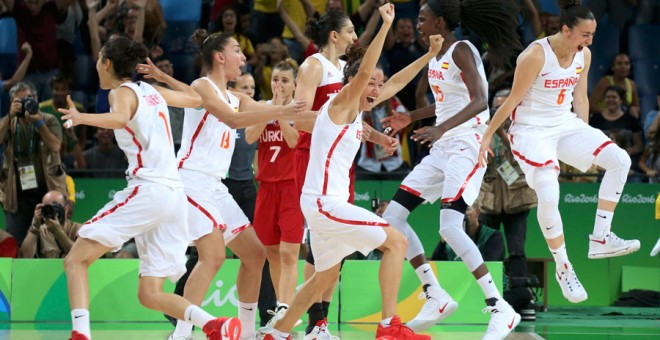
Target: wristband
x,y
39,123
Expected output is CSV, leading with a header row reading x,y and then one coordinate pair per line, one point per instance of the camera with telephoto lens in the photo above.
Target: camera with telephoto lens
x,y
53,210
29,105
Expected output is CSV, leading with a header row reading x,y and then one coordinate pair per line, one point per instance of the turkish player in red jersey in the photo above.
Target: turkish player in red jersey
x,y
278,220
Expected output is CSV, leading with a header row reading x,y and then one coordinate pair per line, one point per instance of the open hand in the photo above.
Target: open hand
x,y
396,122
71,115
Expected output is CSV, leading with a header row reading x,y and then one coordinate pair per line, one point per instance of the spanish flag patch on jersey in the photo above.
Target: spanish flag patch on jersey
x,y
445,65
578,70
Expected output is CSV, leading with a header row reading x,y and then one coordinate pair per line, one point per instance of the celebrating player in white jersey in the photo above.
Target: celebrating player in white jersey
x,y
208,141
152,208
337,227
451,172
550,76
320,78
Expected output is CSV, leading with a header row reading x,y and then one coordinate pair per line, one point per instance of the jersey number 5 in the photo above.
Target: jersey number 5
x,y
439,96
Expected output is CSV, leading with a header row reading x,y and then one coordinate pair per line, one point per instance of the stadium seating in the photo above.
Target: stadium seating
x,y
8,48
647,76
179,10
643,42
604,48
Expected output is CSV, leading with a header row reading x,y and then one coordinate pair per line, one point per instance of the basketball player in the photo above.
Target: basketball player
x,y
152,208
450,172
551,76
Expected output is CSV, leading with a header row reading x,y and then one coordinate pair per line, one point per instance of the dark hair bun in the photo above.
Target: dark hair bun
x,y
312,30
565,4
354,53
199,36
137,51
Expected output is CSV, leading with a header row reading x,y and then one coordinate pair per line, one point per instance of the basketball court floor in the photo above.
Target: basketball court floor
x,y
558,323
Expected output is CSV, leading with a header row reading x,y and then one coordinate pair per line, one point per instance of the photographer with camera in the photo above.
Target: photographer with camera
x,y
31,141
52,233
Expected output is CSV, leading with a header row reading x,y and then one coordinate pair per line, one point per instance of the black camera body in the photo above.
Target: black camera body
x,y
29,105
53,210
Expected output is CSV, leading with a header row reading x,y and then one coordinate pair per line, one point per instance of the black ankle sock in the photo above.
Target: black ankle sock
x,y
326,307
315,313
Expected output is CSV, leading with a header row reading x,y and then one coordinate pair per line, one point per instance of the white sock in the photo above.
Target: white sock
x,y
386,322
488,286
247,314
80,321
426,275
183,329
197,316
603,224
277,334
560,256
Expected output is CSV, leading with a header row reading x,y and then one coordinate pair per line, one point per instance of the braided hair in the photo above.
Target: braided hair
x,y
493,20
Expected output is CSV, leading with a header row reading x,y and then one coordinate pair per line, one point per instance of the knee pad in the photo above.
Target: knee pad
x,y
451,230
397,215
546,186
407,200
616,163
458,205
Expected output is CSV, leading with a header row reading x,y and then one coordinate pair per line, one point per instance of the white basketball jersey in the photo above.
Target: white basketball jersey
x,y
147,139
331,156
450,92
207,144
548,102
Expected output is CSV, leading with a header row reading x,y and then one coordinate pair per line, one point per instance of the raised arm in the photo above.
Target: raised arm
x,y
93,25
345,106
180,95
288,21
21,69
9,5
403,77
580,96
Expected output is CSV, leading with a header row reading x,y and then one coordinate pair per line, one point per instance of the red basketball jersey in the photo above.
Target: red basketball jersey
x,y
330,85
275,156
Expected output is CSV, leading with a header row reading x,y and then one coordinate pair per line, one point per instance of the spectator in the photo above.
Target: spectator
x,y
265,22
652,121
488,240
614,118
52,233
32,166
19,74
228,23
106,157
36,21
270,54
66,34
506,199
620,77
401,49
297,43
70,151
176,113
649,162
373,157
